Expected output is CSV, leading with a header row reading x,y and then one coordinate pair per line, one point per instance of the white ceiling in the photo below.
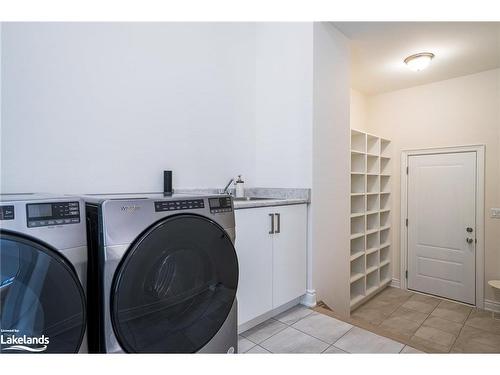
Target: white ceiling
x,y
378,50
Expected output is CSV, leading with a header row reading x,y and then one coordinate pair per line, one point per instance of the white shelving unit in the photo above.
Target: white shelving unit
x,y
370,252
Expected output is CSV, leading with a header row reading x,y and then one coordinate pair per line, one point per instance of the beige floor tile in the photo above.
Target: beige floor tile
x,y
453,311
483,320
399,326
358,340
479,336
443,325
244,344
393,295
428,346
410,350
257,349
294,314
423,304
374,311
263,331
433,335
412,315
323,327
291,340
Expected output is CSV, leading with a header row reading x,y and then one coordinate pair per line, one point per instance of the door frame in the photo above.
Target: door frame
x,y
480,155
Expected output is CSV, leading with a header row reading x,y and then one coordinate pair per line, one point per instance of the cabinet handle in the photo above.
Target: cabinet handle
x,y
279,223
272,224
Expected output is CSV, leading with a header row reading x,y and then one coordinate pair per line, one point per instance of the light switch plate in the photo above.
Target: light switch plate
x,y
495,213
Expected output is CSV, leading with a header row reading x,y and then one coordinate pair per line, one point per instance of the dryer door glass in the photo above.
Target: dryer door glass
x,y
174,287
42,303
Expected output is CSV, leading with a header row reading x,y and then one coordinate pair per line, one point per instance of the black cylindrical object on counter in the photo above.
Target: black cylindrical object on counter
x,y
167,183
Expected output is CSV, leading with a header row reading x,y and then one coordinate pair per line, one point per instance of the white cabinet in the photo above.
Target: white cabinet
x,y
254,247
271,246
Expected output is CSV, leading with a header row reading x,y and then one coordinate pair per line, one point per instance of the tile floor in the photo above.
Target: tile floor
x,y
430,324
394,321
301,330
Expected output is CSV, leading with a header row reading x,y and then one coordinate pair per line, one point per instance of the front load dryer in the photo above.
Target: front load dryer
x,y
43,263
164,271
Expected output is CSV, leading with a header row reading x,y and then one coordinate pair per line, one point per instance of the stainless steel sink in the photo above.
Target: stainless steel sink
x,y
245,199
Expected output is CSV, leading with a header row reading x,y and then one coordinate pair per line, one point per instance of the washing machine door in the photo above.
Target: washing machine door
x,y
174,287
42,303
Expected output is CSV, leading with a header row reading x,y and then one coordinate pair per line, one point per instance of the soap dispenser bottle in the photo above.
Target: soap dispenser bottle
x,y
240,190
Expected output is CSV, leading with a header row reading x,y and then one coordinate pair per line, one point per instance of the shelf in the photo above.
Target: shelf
x,y
357,255
372,221
357,152
358,141
384,272
371,269
385,227
384,184
372,240
357,204
357,183
371,250
371,290
356,277
385,244
385,166
384,235
357,194
357,246
371,231
384,263
372,184
372,203
385,201
357,235
356,299
384,255
357,225
358,214
358,163
372,164
372,145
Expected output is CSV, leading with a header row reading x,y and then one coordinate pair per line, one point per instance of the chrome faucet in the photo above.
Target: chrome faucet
x,y
225,190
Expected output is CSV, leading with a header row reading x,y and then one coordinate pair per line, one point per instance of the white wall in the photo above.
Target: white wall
x,y
106,107
358,111
284,71
455,112
330,191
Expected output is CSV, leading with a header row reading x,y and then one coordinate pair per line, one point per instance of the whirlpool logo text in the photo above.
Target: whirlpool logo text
x,y
11,342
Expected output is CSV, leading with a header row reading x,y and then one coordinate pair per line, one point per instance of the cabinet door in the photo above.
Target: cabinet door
x,y
289,254
255,258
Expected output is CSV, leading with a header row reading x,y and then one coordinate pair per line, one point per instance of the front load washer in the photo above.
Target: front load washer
x,y
164,271
43,263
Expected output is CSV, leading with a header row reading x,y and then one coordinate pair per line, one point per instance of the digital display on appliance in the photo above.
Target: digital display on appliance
x,y
214,202
39,210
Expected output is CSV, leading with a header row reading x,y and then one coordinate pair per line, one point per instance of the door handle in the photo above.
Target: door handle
x,y
469,240
272,224
278,217
469,230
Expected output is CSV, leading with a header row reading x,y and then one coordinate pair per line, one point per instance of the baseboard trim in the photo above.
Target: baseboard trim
x,y
395,283
309,298
268,315
491,305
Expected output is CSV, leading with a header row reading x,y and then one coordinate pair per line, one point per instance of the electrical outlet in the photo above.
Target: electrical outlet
x,y
495,213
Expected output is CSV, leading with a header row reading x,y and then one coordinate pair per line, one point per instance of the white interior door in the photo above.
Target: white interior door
x,y
441,225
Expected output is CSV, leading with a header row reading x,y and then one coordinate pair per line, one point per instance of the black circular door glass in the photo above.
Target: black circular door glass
x,y
175,286
42,303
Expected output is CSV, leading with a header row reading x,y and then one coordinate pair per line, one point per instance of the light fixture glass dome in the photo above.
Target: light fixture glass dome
x,y
419,61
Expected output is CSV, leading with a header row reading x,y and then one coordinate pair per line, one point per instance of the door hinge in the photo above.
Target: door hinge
x,y
406,274
406,222
407,170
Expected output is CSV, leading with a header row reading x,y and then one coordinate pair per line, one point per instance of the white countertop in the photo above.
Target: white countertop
x,y
268,202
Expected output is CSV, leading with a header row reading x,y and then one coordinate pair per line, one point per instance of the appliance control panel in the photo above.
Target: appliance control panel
x,y
48,214
219,205
187,204
6,212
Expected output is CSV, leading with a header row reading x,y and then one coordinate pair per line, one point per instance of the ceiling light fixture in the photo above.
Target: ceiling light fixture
x,y
419,61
